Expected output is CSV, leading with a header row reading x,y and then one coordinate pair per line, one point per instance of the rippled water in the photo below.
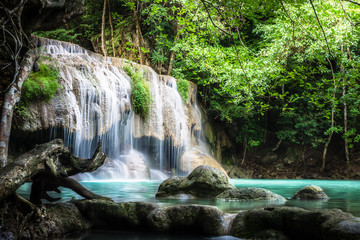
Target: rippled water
x,y
343,194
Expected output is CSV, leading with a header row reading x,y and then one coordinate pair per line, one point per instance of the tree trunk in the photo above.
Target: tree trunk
x,y
111,28
172,55
345,125
244,152
103,43
332,119
49,166
303,157
12,96
138,35
345,111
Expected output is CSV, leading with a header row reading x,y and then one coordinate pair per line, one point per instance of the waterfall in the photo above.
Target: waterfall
x,y
94,104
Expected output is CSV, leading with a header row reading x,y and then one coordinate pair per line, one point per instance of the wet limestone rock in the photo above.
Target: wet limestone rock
x,y
250,194
194,158
203,182
310,192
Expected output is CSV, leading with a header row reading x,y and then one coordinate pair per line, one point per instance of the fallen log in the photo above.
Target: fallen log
x,y
49,166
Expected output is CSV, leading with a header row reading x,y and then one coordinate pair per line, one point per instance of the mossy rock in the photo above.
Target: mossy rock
x,y
310,192
169,187
115,215
203,182
188,218
295,223
250,194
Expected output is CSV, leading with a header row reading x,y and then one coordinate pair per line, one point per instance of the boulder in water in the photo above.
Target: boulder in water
x,y
310,192
203,182
250,194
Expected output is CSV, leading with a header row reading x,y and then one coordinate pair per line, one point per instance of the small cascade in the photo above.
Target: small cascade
x,y
227,222
94,104
157,175
130,165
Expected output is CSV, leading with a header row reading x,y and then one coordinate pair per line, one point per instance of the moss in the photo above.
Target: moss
x,y
41,85
74,162
140,92
183,89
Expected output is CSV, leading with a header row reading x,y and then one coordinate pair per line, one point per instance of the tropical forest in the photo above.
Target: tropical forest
x,y
180,119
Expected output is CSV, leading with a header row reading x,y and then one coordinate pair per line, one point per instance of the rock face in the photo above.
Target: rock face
x,y
250,194
203,182
94,104
310,192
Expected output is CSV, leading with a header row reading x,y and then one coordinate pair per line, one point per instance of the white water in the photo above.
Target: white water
x,y
94,104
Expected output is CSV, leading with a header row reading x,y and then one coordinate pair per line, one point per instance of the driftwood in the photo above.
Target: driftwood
x,y
48,166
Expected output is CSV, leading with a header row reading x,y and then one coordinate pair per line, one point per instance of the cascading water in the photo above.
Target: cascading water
x,y
94,104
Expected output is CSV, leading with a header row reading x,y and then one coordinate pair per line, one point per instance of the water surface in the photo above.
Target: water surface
x,y
344,195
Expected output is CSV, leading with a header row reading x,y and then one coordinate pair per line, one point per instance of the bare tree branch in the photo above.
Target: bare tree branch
x,y
321,27
347,16
350,1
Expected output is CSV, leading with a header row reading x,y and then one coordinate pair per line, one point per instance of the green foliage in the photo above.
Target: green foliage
x,y
140,92
41,85
183,89
60,34
264,66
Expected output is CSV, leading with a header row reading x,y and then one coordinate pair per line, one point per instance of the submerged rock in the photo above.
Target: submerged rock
x,y
203,182
310,192
250,194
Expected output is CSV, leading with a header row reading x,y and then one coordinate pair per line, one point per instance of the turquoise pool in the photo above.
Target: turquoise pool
x,y
344,195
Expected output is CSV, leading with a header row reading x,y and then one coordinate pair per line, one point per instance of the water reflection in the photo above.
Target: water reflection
x,y
123,235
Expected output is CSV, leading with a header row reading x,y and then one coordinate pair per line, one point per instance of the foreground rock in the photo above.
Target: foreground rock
x,y
250,194
296,223
125,215
147,216
310,192
19,219
54,221
203,182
